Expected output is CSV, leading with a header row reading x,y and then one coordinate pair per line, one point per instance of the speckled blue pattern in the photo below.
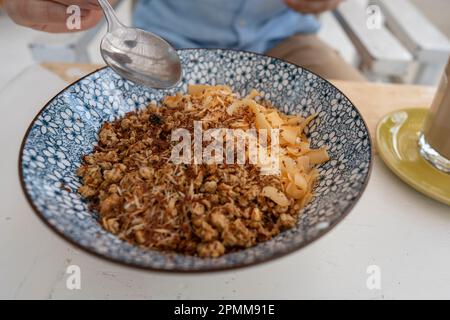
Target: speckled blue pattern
x,y
67,128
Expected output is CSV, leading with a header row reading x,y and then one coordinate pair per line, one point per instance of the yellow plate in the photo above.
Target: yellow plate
x,y
397,136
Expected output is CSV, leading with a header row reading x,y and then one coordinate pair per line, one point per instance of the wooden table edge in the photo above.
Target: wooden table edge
x,y
373,100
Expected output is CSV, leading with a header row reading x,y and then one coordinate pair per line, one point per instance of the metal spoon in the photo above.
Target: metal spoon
x,y
137,55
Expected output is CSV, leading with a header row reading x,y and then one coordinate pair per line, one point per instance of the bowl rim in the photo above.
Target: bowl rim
x,y
257,261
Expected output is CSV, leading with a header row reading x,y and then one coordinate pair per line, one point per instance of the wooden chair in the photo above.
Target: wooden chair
x,y
406,47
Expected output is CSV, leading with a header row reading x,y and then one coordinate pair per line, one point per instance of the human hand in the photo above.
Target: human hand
x,y
312,6
51,15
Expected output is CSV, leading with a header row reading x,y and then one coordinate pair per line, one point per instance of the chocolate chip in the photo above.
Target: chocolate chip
x,y
155,119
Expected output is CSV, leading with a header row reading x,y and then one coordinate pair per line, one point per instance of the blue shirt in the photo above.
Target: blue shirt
x,y
253,25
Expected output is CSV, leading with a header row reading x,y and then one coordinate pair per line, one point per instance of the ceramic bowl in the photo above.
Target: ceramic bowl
x,y
66,128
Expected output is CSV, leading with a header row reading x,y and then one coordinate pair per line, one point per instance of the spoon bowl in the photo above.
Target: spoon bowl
x,y
138,55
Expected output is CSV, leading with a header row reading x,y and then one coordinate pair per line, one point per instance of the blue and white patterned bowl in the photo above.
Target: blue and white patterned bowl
x,y
66,128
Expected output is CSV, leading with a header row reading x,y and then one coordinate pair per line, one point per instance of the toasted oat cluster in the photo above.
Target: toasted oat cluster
x,y
197,209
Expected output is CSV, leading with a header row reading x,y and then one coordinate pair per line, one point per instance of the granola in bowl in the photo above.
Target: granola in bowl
x,y
197,208
67,129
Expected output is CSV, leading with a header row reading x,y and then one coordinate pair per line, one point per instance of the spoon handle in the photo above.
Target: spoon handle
x,y
111,17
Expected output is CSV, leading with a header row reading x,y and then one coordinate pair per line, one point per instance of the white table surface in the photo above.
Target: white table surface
x,y
394,227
